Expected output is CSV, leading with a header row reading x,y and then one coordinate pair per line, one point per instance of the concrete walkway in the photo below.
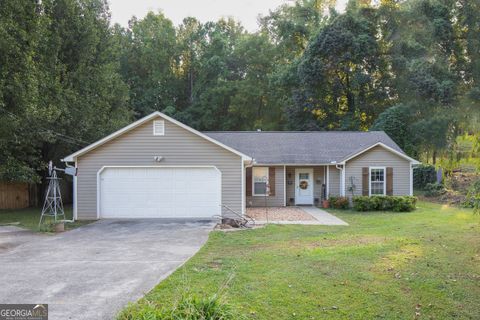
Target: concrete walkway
x,y
94,271
324,217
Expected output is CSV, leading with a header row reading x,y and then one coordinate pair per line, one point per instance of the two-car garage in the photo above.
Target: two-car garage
x,y
159,192
157,167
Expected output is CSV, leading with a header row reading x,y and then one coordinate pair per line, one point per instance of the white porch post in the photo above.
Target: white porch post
x,y
411,179
328,183
243,171
284,186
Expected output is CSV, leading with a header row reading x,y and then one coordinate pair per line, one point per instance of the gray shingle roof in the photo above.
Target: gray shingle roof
x,y
301,147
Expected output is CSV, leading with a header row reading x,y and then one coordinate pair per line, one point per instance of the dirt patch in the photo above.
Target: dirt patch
x,y
456,188
450,197
279,214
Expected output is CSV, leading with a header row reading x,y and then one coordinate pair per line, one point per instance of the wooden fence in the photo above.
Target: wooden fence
x,y
14,195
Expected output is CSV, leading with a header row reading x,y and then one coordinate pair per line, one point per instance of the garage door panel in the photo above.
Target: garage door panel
x,y
202,199
160,192
201,185
181,185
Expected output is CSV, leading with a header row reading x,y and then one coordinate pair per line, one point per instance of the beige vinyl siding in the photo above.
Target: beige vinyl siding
x,y
334,177
378,157
178,147
318,180
271,201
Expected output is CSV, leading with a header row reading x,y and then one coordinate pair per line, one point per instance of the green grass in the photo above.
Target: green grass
x,y
422,264
29,218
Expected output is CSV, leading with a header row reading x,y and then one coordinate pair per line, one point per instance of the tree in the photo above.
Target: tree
x,y
396,122
63,89
19,156
342,85
148,63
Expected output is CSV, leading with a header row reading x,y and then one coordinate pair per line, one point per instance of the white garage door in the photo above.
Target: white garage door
x,y
160,192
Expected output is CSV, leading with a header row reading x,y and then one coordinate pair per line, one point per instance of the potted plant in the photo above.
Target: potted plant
x,y
59,226
325,204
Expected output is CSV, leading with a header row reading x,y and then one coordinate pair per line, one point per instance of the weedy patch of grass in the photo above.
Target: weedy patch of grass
x,y
28,218
420,264
189,306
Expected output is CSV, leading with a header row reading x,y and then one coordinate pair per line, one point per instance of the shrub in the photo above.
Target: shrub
x,y
423,175
339,202
473,197
385,203
434,189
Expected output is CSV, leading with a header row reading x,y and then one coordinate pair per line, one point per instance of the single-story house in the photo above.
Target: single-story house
x,y
160,167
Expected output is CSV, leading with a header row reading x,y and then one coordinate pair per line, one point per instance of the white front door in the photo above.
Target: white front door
x,y
304,186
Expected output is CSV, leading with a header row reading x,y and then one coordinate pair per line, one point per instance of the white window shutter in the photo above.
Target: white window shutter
x,y
158,128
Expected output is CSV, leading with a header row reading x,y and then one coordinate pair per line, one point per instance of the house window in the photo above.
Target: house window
x,y
260,179
377,181
158,128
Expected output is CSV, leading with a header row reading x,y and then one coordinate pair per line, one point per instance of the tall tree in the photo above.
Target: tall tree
x,y
67,90
19,94
342,84
148,63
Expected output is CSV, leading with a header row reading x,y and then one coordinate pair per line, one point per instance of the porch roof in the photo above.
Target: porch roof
x,y
302,147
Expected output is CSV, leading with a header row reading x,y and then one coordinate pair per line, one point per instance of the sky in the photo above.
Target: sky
x,y
245,11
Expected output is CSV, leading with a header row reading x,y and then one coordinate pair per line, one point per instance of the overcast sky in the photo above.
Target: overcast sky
x,y
245,11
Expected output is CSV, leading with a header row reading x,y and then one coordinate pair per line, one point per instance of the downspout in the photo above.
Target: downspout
x,y
342,178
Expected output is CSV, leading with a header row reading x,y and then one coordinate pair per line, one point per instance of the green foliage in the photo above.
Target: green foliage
x,y
189,307
434,189
339,202
395,121
423,175
59,83
339,87
410,68
473,197
385,203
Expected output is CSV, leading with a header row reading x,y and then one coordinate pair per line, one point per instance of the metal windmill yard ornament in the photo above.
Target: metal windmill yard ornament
x,y
53,206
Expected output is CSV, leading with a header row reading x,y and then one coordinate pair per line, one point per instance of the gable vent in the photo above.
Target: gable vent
x,y
158,128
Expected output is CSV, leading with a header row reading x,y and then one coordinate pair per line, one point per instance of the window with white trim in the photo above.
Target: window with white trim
x,y
377,181
158,128
259,181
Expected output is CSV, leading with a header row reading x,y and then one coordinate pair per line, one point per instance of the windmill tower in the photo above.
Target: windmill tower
x,y
53,205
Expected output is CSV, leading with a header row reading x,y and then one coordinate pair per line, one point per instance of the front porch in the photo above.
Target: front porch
x,y
277,186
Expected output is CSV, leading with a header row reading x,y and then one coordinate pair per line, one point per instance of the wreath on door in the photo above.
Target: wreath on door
x,y
303,185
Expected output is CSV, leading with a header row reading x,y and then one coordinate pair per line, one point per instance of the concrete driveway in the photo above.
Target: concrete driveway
x,y
94,271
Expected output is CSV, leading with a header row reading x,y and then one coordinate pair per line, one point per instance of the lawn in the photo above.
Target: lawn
x,y
424,264
29,218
